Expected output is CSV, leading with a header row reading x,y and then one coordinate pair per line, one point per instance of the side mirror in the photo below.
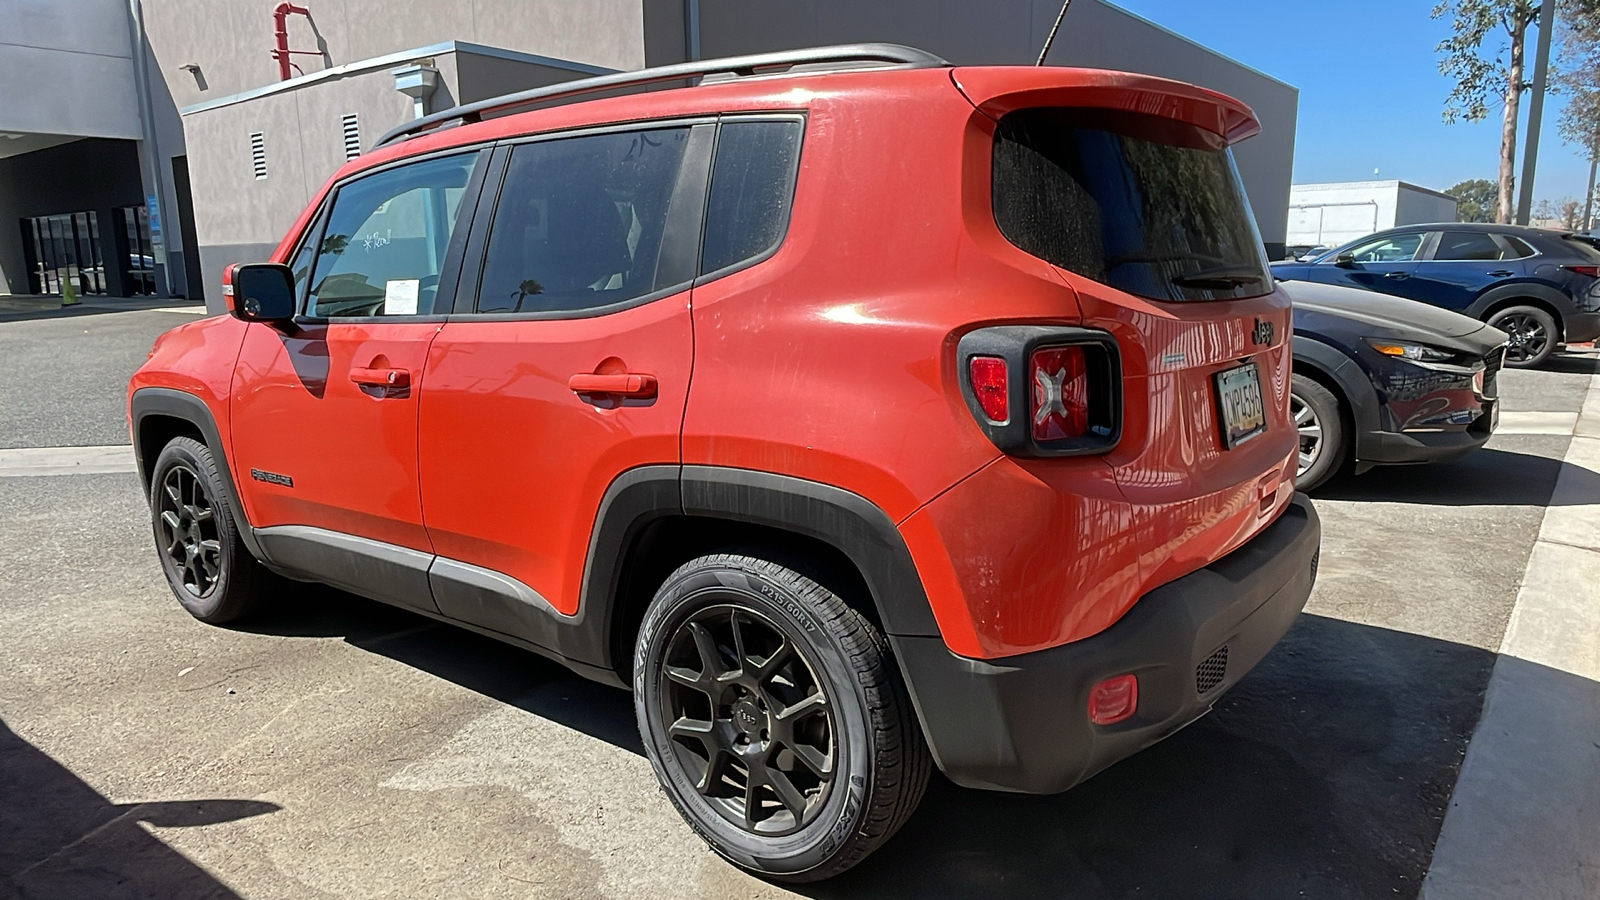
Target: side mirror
x,y
1345,260
260,292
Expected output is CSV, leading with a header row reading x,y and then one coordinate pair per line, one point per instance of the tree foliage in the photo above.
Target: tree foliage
x,y
1475,200
1579,74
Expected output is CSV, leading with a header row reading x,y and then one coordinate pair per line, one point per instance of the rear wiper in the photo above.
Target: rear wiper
x,y
1219,278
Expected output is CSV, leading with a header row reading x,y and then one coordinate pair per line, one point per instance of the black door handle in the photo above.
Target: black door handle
x,y
1501,273
1398,276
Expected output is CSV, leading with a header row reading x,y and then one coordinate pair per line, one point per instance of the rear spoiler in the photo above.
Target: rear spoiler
x,y
997,90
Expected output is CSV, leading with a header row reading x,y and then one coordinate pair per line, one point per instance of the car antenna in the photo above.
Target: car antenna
x,y
1053,29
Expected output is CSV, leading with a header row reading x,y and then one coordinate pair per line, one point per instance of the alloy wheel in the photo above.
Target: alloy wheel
x,y
749,721
1528,336
1310,428
188,530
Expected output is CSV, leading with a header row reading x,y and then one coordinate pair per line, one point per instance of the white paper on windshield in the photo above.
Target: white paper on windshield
x,y
400,297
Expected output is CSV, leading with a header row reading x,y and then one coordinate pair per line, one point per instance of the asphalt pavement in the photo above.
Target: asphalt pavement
x,y
340,748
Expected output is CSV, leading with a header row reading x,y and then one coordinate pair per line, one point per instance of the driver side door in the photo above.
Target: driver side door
x,y
325,414
1385,264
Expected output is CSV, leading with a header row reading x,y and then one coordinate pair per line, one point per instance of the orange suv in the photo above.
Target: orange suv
x,y
860,412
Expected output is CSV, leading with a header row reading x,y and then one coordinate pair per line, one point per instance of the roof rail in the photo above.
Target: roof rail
x,y
892,54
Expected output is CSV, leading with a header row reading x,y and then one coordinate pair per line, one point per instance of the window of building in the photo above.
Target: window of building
x,y
384,246
1465,245
65,249
752,188
580,222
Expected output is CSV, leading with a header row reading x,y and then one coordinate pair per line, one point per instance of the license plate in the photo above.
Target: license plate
x,y
1239,406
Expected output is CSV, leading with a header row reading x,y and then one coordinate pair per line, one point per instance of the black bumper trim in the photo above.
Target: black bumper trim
x,y
1021,723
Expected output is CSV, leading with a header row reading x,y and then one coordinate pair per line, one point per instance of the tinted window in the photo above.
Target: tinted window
x,y
1391,249
386,240
1520,249
1466,245
752,186
580,222
1142,203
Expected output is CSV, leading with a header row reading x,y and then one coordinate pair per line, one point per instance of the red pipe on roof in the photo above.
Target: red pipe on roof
x,y
280,33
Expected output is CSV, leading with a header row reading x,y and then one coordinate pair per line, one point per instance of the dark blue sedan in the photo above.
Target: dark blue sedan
x,y
1541,287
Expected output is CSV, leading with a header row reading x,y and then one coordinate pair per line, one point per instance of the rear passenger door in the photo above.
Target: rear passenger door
x,y
1462,265
566,364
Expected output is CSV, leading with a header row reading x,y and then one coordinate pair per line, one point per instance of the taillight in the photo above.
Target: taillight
x,y
1113,700
1043,390
1591,271
1060,384
991,386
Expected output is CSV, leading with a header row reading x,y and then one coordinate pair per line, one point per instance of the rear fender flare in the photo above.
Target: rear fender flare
x,y
1557,303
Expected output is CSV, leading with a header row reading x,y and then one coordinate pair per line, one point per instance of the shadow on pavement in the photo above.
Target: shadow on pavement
x,y
70,312
1325,773
61,838
1486,477
1571,365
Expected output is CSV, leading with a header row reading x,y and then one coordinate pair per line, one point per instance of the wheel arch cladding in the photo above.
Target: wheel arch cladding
x,y
1337,372
740,507
1537,296
159,414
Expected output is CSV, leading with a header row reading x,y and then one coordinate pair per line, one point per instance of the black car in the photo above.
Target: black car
x,y
1541,287
1379,380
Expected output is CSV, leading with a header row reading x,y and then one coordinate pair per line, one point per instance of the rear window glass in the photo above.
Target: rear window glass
x,y
1142,203
752,185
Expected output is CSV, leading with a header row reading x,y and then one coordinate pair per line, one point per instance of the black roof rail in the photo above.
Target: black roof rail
x,y
891,54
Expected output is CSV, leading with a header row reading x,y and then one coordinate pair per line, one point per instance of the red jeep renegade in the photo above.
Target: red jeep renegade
x,y
861,412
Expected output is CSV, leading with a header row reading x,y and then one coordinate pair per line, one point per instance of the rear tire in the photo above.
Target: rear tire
x,y
775,718
208,567
1533,331
1319,418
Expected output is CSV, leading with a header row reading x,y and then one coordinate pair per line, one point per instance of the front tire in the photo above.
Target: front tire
x,y
1533,331
207,565
775,719
1323,443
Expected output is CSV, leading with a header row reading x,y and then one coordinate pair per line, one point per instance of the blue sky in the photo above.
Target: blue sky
x,y
1370,90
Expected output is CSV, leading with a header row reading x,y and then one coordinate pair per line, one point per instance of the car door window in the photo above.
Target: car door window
x,y
581,223
1392,249
1467,245
387,235
1519,248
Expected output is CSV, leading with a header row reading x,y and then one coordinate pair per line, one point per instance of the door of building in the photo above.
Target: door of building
x,y
64,249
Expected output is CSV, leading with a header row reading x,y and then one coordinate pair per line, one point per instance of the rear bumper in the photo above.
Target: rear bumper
x,y
1581,327
1021,723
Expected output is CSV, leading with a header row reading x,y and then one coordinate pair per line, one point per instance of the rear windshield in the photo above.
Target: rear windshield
x,y
1145,204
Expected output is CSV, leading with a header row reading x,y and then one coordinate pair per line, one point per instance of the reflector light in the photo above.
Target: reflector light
x,y
1060,386
1114,700
1591,271
989,385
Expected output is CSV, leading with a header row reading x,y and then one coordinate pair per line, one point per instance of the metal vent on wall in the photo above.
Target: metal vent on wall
x,y
1210,673
258,154
352,136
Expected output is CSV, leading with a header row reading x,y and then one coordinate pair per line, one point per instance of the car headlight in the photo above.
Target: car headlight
x,y
1413,352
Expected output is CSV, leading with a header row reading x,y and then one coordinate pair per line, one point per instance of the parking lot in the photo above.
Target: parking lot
x,y
339,748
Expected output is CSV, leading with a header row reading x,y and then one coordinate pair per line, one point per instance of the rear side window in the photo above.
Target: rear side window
x,y
386,239
752,188
1466,245
580,222
1520,249
1145,204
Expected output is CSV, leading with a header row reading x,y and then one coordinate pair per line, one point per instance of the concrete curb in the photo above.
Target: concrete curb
x,y
1524,820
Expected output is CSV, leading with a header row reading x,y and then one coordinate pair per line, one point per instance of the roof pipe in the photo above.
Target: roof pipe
x,y
280,34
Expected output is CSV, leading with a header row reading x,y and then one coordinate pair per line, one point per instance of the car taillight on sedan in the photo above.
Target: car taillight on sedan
x,y
1043,391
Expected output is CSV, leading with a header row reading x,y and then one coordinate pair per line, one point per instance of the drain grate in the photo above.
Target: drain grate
x,y
1210,673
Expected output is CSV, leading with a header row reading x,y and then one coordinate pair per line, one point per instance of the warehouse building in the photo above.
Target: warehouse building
x,y
250,105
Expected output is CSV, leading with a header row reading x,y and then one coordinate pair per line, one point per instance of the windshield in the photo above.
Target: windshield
x,y
1142,203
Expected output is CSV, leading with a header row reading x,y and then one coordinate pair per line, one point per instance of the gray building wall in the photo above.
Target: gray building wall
x,y
1094,35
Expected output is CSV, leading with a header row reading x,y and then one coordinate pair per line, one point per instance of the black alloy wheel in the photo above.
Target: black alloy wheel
x,y
1532,332
207,564
750,722
774,716
187,530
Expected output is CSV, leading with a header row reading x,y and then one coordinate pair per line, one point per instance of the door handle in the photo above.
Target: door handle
x,y
384,378
1398,276
1501,273
625,385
